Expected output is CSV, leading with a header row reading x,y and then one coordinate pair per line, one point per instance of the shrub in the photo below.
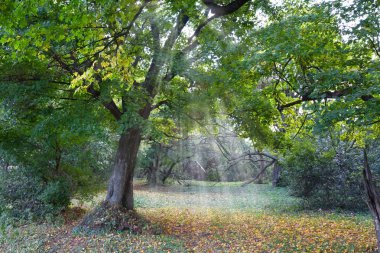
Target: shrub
x,y
213,175
56,194
325,177
26,196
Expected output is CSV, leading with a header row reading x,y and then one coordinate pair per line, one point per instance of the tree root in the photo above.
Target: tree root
x,y
116,219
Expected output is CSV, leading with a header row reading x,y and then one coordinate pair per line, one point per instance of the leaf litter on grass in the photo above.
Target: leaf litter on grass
x,y
208,219
213,230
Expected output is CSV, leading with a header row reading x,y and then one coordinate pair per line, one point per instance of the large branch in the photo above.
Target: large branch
x,y
182,20
200,27
247,156
65,66
154,68
259,174
162,56
324,95
110,106
218,11
221,10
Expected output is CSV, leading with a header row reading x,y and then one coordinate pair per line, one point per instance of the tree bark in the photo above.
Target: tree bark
x,y
373,201
120,188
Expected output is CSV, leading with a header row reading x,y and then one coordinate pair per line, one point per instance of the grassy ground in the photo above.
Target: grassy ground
x,y
206,217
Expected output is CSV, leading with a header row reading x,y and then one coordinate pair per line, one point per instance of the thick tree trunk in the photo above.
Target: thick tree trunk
x,y
373,200
120,188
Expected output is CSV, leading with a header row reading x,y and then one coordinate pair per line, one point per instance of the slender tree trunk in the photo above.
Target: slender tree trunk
x,y
276,174
155,165
373,200
167,173
262,168
152,180
120,188
58,156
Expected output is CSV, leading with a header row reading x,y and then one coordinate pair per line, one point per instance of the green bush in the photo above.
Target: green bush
x,y
56,194
325,177
213,175
26,196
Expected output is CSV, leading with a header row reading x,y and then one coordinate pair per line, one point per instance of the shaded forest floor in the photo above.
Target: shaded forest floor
x,y
205,218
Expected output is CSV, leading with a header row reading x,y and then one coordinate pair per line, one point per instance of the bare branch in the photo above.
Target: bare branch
x,y
302,124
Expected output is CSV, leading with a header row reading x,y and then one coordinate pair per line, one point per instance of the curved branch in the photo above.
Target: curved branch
x,y
218,11
221,10
200,27
259,174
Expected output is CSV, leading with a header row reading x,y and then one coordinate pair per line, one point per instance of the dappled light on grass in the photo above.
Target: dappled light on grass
x,y
223,195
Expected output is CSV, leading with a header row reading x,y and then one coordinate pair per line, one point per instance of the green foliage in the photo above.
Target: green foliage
x,y
63,155
298,72
56,193
213,175
325,176
25,196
